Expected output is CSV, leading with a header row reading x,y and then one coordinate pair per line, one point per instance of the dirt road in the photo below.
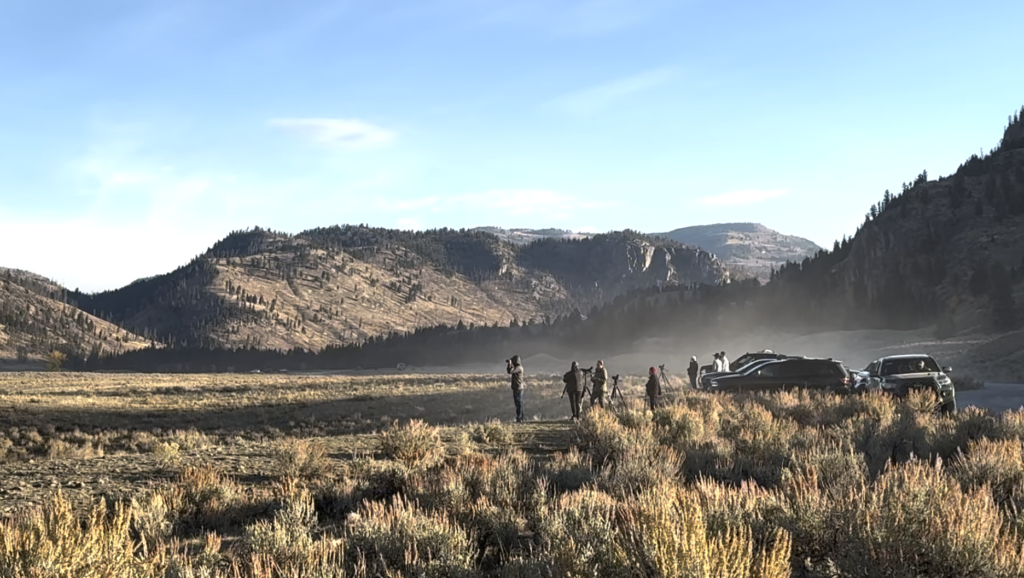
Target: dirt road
x,y
995,396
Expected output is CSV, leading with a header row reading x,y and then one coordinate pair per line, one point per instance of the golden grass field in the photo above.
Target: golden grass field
x,y
404,475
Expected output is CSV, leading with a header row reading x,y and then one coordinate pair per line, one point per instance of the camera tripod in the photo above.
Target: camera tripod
x,y
664,376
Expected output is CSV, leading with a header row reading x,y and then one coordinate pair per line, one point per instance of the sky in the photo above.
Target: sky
x,y
136,133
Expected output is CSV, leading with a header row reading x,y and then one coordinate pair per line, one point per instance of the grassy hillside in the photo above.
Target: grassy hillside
x,y
342,285
34,321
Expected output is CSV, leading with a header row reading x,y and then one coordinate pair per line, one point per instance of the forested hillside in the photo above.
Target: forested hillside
x,y
346,284
35,321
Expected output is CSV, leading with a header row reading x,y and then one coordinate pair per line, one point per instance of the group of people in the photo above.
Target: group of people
x,y
720,363
576,385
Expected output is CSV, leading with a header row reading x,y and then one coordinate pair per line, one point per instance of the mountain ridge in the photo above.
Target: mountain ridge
x,y
748,249
347,284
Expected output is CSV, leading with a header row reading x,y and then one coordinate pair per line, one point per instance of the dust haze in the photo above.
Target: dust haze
x,y
855,348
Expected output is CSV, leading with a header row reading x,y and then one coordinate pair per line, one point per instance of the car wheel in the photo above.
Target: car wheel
x,y
948,408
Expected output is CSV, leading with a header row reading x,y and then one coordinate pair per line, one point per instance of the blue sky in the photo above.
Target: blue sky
x,y
137,133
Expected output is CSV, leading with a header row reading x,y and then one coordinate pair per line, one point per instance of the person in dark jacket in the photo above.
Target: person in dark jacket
x,y
653,387
515,369
600,384
693,370
574,387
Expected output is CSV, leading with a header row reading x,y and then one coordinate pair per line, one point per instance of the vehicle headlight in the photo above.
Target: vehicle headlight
x,y
943,380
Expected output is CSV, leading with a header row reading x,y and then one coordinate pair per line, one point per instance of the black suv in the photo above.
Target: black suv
x,y
743,361
899,374
758,359
785,374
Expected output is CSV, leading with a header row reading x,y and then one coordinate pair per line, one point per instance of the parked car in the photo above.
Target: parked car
x,y
744,360
901,374
785,374
704,382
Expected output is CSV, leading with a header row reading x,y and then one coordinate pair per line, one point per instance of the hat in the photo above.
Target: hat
x,y
693,358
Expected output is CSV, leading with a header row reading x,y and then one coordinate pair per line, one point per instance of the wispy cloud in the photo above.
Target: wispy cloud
x,y
597,98
527,202
742,197
340,132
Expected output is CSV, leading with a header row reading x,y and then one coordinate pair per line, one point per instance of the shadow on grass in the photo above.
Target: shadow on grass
x,y
330,417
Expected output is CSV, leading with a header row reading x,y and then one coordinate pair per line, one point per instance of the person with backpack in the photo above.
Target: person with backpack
x,y
574,385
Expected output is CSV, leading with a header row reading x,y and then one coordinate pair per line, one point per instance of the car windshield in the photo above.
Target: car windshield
x,y
744,366
743,360
752,367
909,365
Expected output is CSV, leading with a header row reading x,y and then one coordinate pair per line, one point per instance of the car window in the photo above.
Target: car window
x,y
769,370
743,360
753,366
909,365
792,369
830,369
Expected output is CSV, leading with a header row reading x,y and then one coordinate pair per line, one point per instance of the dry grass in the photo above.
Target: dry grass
x,y
789,484
83,392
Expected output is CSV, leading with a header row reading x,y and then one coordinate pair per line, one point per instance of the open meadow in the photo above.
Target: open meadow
x,y
414,475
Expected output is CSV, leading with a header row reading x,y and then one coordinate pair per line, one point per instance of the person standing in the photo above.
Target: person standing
x,y
653,388
515,369
600,383
725,363
574,387
716,366
692,371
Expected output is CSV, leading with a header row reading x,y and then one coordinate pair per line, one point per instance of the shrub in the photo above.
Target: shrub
x,y
191,439
302,459
915,519
570,470
639,469
204,499
493,433
663,531
52,541
168,451
287,539
997,465
60,449
150,519
581,537
400,538
415,444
